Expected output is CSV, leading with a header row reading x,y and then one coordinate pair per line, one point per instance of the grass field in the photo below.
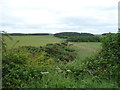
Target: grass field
x,y
31,40
84,49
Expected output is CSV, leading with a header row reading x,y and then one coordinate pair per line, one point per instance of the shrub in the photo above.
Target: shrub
x,y
18,72
107,62
15,72
60,51
22,66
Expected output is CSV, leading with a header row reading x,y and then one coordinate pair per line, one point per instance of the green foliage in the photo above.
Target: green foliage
x,y
72,80
107,63
78,37
60,51
31,49
22,66
28,34
66,34
71,34
107,33
15,73
84,39
2,40
111,46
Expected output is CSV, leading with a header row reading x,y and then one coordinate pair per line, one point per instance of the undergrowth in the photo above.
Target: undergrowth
x,y
57,66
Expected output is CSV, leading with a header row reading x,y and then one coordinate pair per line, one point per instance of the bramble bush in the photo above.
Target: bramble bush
x,y
15,73
22,66
107,62
60,51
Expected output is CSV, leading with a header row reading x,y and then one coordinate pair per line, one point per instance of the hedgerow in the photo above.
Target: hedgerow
x,y
107,63
15,73
84,39
22,66
60,51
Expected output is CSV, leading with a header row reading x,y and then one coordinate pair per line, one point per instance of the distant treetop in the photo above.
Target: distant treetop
x,y
24,34
69,34
107,33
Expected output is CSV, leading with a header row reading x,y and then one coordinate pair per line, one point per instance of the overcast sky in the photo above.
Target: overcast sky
x,y
52,16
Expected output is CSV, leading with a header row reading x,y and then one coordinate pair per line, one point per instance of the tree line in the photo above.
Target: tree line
x,y
23,34
78,37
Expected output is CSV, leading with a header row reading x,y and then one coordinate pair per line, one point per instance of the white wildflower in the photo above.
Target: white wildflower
x,y
44,72
68,71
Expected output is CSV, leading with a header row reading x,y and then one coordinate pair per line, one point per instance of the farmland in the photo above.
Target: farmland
x,y
32,40
84,48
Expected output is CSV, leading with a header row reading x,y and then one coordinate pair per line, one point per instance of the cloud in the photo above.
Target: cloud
x,y
59,15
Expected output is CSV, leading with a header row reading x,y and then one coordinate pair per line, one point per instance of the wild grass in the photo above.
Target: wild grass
x,y
83,48
31,40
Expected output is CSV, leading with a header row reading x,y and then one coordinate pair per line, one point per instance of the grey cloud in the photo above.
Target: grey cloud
x,y
92,24
82,21
104,8
85,23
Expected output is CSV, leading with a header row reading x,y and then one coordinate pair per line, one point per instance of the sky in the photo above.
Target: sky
x,y
53,16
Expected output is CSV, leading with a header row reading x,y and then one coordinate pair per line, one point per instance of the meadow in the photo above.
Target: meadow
x,y
83,48
31,40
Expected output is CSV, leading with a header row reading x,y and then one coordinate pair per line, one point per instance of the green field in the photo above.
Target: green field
x,y
84,49
31,40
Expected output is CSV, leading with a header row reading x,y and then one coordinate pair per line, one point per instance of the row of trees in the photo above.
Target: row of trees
x,y
84,39
71,34
78,37
23,34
